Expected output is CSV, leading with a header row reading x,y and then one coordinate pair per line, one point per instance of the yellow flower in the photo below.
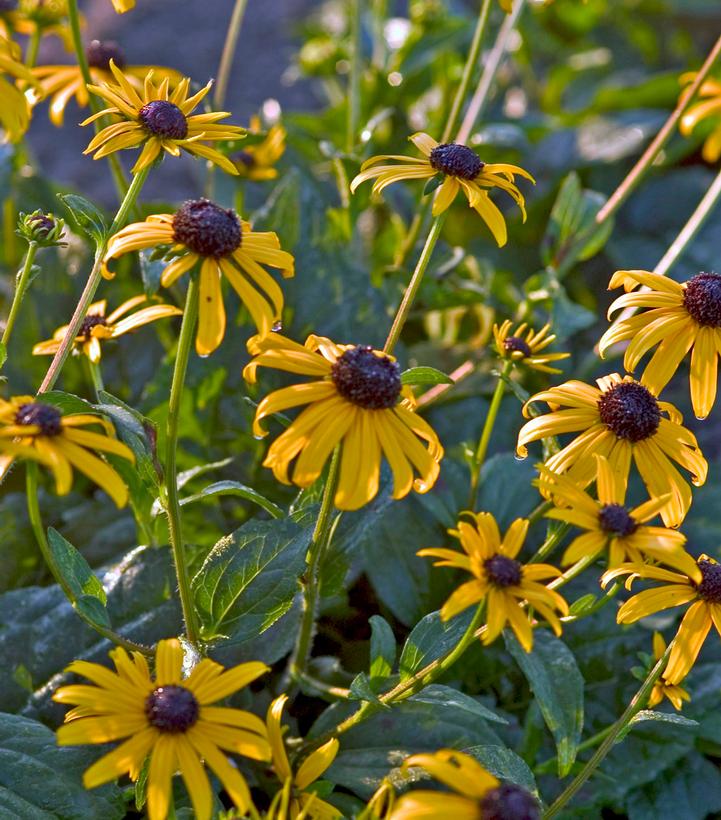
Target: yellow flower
x,y
461,169
32,430
607,522
159,121
302,803
623,421
121,6
709,105
499,578
201,232
14,108
528,350
170,718
682,317
701,589
475,793
256,161
662,688
356,400
36,18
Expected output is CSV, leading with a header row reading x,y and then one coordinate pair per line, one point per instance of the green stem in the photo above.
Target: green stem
x,y
39,531
354,91
548,766
31,55
553,539
91,285
96,377
20,288
187,328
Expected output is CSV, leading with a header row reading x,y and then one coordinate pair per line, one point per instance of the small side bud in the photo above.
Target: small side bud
x,y
44,229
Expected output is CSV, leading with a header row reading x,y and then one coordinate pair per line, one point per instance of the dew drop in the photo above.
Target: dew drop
x,y
277,327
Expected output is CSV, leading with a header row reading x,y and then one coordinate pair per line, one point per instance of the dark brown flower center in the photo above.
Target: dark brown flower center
x,y
370,381
164,119
45,416
615,520
710,587
244,158
456,161
702,298
630,411
514,344
509,802
101,52
206,228
503,571
42,225
89,322
172,709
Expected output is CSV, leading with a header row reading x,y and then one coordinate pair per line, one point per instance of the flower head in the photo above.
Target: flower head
x,y
30,429
356,400
46,230
524,346
159,121
35,18
168,717
662,688
97,327
14,108
623,421
499,578
708,106
460,168
256,161
201,232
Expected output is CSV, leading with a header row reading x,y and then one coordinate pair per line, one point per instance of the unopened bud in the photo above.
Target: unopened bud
x,y
44,229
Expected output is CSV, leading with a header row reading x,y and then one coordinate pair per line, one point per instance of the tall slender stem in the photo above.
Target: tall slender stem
x,y
187,328
20,288
31,55
354,91
96,376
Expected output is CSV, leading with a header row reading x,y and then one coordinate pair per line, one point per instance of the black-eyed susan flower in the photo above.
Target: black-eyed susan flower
x,y
60,83
680,318
499,578
159,121
97,327
461,169
701,589
623,421
202,233
708,105
14,107
609,523
169,718
357,401
662,688
302,803
524,346
34,18
257,162
475,793
39,432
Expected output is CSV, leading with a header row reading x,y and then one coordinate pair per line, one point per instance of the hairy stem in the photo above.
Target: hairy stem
x,y
20,288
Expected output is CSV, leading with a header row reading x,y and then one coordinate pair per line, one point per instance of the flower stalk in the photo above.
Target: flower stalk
x,y
354,89
20,288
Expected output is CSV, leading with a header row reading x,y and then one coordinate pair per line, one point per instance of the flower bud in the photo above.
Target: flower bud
x,y
44,229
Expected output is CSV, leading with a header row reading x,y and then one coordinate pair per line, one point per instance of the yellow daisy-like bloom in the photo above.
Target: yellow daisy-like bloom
x,y
39,432
608,522
356,401
168,717
499,579
159,121
708,105
701,589
36,17
201,232
475,792
462,170
14,107
623,421
528,351
302,803
681,317
256,161
662,689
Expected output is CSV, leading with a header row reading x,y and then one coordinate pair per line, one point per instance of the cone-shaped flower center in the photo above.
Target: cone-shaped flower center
x,y
630,411
702,298
514,344
456,161
615,520
45,416
172,709
370,381
509,802
503,571
164,119
89,322
206,228
710,587
101,52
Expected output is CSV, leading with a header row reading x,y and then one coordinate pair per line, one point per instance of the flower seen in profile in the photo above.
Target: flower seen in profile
x,y
14,107
524,346
675,694
708,106
257,161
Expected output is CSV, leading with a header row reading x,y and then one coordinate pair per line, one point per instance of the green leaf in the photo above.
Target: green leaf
x,y
433,183
430,639
557,685
661,717
505,765
361,689
383,649
235,488
68,402
85,217
151,269
442,695
425,375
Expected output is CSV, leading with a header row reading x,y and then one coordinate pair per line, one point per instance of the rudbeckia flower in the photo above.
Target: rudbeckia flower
x,y
708,105
14,108
202,233
36,18
609,523
701,589
168,717
63,82
524,346
461,170
681,317
475,793
623,421
662,688
356,400
302,802
256,161
499,579
39,432
97,327
159,121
